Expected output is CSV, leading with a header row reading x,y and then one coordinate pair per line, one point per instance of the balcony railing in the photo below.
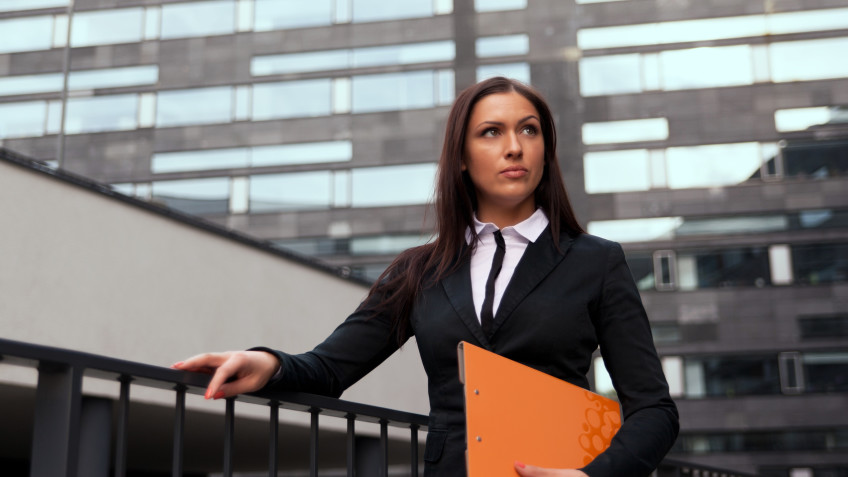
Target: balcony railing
x,y
57,425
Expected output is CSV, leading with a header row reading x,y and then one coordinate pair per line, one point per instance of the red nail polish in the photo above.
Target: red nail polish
x,y
218,395
520,464
177,365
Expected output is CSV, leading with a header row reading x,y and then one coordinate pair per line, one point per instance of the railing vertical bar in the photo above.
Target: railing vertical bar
x,y
413,442
56,424
122,427
351,445
384,447
179,431
273,439
313,443
229,425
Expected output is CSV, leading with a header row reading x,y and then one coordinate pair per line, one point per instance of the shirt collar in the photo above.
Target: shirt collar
x,y
530,228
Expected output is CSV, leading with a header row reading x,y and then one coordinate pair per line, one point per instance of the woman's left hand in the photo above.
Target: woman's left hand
x,y
533,471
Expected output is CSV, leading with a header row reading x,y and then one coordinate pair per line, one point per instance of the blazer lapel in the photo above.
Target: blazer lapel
x,y
540,258
457,287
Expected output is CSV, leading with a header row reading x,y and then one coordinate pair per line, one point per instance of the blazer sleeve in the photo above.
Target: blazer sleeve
x,y
650,416
357,346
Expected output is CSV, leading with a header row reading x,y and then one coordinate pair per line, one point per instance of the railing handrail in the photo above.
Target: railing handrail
x,y
103,367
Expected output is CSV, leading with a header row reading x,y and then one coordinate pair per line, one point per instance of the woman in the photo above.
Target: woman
x,y
556,295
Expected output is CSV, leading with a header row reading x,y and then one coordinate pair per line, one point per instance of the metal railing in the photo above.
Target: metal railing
x,y
58,404
56,444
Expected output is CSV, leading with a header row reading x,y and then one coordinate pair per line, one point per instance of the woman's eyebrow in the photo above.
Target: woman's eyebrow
x,y
501,124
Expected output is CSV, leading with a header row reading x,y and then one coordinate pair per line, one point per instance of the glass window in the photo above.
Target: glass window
x,y
303,153
516,71
708,29
103,27
13,5
807,60
384,244
392,185
496,5
712,165
799,119
393,91
823,326
376,10
294,191
706,67
183,20
602,380
24,119
29,84
762,441
729,376
292,99
319,246
815,159
506,45
820,263
194,106
616,171
642,267
356,58
595,1
113,77
26,34
194,196
825,372
609,132
614,74
404,54
723,268
282,14
636,230
666,333
164,162
117,112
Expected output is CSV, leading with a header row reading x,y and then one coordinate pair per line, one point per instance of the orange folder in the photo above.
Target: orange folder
x,y
514,412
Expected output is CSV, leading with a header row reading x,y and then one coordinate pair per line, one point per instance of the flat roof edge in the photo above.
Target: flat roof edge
x,y
196,222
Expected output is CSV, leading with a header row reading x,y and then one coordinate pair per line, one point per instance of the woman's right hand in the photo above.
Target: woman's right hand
x,y
233,372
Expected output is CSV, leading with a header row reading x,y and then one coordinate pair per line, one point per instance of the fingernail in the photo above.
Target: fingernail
x,y
218,395
520,464
208,395
177,365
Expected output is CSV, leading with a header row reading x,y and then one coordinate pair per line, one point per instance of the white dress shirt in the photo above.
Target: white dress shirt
x,y
516,237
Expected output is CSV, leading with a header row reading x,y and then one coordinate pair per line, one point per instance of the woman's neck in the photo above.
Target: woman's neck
x,y
503,217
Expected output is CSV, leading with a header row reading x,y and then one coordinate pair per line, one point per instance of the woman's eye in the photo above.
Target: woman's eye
x,y
529,130
491,132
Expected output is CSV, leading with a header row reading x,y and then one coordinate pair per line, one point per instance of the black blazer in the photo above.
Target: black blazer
x,y
560,305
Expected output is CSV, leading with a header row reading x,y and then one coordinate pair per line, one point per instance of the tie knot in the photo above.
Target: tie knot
x,y
499,240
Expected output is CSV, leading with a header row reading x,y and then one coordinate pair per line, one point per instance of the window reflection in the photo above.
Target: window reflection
x,y
730,376
613,74
183,20
26,34
164,162
642,267
706,67
712,165
293,191
113,77
736,267
393,91
762,441
517,71
292,99
29,84
194,196
820,263
194,106
496,5
13,5
353,58
815,159
632,171
103,27
102,113
392,185
505,45
375,10
22,119
609,132
282,14
825,372
807,60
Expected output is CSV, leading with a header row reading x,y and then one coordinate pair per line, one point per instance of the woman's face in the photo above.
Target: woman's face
x,y
504,154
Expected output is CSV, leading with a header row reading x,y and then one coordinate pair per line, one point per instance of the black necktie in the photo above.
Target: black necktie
x,y
486,314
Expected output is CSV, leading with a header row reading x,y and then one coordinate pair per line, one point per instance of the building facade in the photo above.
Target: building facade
x,y
709,137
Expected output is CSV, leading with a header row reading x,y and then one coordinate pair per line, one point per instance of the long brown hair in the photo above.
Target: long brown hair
x,y
395,291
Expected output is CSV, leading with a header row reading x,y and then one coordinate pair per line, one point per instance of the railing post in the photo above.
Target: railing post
x,y
122,430
384,448
179,430
95,437
55,441
273,438
413,442
351,445
229,434
313,443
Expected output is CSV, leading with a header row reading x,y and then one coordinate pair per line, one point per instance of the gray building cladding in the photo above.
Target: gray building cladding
x,y
709,137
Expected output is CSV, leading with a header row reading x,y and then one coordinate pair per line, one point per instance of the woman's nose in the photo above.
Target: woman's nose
x,y
513,146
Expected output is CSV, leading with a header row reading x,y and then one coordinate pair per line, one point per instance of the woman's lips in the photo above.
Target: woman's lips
x,y
514,172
